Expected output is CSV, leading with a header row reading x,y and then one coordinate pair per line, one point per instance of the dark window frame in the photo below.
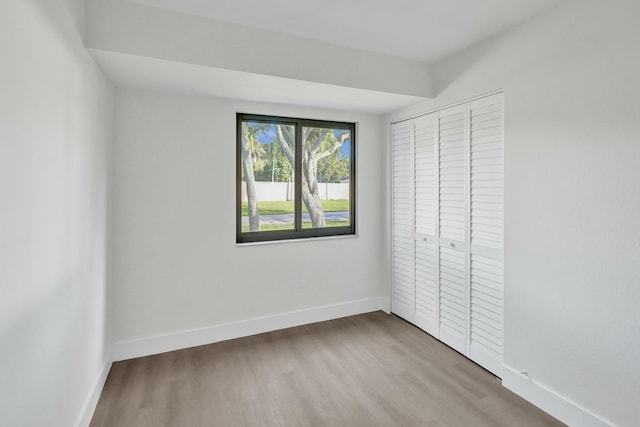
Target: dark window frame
x,y
298,232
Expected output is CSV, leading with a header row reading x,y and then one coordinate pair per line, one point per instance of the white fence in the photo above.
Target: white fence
x,y
277,191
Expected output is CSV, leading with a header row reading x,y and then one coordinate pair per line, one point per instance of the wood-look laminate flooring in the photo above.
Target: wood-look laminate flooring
x,y
367,370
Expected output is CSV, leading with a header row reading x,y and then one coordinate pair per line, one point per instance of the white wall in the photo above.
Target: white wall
x,y
176,264
55,129
572,176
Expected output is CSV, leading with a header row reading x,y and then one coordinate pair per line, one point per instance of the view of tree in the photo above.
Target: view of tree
x,y
275,167
268,155
249,141
318,144
333,168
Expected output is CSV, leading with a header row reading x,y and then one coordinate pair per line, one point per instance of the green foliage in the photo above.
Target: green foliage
x,y
275,166
271,208
334,168
269,161
315,133
333,205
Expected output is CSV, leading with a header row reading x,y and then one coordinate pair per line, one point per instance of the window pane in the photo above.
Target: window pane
x,y
273,152
326,177
268,157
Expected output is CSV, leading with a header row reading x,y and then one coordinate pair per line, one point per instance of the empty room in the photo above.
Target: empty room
x,y
319,213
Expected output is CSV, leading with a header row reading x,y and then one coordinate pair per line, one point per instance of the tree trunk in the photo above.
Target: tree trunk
x,y
247,163
273,167
310,192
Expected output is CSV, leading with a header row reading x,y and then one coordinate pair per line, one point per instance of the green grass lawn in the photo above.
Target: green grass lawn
x,y
272,227
278,207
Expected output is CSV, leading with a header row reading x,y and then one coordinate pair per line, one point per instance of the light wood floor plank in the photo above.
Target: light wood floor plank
x,y
368,370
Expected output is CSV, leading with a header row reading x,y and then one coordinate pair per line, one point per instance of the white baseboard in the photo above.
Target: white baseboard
x,y
553,403
89,408
191,338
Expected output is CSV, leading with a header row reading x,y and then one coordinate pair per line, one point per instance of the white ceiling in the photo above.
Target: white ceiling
x,y
424,30
139,72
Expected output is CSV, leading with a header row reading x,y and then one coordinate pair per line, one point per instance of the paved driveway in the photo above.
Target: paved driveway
x,y
288,218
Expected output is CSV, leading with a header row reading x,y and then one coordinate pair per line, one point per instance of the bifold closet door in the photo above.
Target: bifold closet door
x,y
426,217
403,281
447,227
487,236
452,193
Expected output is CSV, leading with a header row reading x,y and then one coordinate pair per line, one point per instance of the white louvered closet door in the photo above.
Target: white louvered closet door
x,y
403,286
453,220
487,236
448,237
426,209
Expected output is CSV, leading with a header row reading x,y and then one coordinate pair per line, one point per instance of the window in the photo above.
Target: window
x,y
295,178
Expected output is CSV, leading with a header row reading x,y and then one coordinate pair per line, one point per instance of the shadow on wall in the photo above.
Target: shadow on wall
x,y
452,69
513,54
37,351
